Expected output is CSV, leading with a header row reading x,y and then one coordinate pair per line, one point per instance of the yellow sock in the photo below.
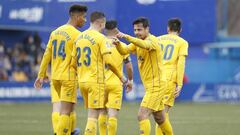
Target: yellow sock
x,y
102,124
145,127
166,126
112,126
55,118
73,121
63,125
91,128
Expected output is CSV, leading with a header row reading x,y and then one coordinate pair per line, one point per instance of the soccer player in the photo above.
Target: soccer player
x,y
113,88
90,54
63,77
175,50
148,52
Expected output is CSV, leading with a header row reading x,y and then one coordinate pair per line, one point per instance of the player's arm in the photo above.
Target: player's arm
x,y
129,69
112,66
42,74
106,53
180,70
145,44
122,48
183,52
74,57
45,61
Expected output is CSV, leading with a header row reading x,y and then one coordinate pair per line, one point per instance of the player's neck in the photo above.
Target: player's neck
x,y
93,27
70,22
173,33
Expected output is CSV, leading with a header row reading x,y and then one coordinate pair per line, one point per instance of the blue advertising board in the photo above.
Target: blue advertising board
x,y
192,92
198,16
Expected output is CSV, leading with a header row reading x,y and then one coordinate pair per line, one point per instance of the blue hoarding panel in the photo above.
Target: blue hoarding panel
x,y
15,92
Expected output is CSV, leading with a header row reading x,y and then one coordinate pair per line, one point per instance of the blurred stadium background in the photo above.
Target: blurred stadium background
x,y
209,102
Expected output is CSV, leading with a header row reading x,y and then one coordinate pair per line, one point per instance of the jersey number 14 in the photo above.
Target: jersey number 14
x,y
61,49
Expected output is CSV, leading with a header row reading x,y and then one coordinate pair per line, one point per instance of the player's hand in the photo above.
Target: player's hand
x,y
38,83
177,91
46,79
120,35
129,85
115,41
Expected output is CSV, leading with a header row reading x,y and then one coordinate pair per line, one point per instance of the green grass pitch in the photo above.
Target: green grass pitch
x,y
186,118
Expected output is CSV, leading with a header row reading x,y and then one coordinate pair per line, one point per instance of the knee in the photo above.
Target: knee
x,y
159,119
142,116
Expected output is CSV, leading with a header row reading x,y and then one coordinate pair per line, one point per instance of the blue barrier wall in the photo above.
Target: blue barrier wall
x,y
196,92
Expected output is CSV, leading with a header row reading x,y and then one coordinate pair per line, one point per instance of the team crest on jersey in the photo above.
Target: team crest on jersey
x,y
140,58
65,130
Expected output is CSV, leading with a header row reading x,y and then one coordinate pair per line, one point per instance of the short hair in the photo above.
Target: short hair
x,y
77,8
142,20
174,24
111,24
96,15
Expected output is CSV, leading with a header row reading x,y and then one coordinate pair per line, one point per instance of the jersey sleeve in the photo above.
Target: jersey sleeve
x,y
46,59
148,44
74,56
105,46
184,49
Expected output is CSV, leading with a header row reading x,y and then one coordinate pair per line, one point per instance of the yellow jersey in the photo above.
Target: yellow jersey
x,y
148,53
173,46
111,78
58,51
88,53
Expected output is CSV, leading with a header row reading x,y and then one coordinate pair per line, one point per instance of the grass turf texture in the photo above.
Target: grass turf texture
x,y
186,118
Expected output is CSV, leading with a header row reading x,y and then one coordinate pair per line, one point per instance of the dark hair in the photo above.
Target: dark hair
x,y
142,20
77,8
174,24
96,15
111,24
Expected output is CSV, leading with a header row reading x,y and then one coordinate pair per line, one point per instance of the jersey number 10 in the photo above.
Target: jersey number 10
x,y
168,51
61,49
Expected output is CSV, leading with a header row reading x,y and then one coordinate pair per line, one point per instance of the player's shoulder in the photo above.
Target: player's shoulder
x,y
162,36
152,38
93,33
183,41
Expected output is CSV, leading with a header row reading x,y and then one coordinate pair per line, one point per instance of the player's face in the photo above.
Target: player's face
x,y
81,19
102,23
140,31
112,32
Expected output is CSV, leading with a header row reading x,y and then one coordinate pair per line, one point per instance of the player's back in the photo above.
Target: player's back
x,y
172,46
90,47
111,78
61,41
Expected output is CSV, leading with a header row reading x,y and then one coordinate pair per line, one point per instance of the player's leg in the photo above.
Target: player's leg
x,y
102,122
114,104
55,92
55,115
159,114
73,122
165,126
68,99
143,119
168,103
95,105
